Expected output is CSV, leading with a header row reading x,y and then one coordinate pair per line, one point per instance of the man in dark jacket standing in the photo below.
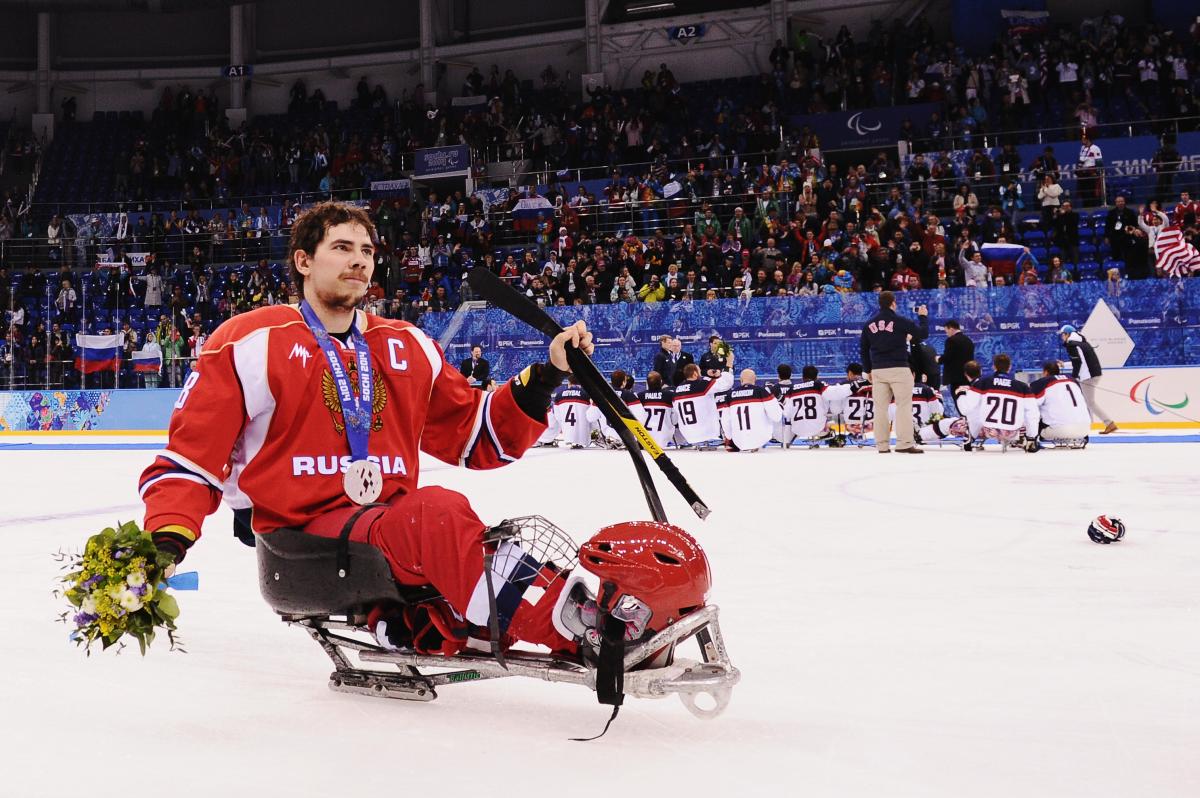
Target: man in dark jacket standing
x,y
662,359
476,369
884,347
957,352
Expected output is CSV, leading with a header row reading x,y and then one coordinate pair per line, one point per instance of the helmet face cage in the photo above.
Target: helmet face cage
x,y
658,565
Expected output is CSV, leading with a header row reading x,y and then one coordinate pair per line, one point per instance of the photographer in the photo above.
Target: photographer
x,y
884,347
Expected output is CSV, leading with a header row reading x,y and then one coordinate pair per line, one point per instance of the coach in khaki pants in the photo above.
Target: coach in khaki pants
x,y
884,349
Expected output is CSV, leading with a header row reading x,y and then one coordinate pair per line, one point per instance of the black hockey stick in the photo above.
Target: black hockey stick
x,y
632,432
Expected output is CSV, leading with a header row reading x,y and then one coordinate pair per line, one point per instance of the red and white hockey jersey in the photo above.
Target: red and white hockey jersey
x,y
259,421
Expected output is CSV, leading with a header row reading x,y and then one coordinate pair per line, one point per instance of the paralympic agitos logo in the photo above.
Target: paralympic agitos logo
x,y
855,123
1154,407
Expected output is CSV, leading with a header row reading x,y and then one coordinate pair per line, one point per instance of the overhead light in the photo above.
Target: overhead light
x,y
648,8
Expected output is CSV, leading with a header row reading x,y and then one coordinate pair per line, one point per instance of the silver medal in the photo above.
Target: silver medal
x,y
363,481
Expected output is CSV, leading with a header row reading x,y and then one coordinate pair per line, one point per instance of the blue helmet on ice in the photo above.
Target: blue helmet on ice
x,y
1066,329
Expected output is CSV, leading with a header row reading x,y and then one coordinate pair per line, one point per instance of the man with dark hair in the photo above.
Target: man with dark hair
x,y
957,350
716,359
310,421
884,346
475,368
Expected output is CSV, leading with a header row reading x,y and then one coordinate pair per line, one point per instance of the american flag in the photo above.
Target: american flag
x,y
1173,255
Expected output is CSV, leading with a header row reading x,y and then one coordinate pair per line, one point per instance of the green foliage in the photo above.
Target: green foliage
x,y
115,589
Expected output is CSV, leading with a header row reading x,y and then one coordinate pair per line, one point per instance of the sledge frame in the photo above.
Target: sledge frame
x,y
713,675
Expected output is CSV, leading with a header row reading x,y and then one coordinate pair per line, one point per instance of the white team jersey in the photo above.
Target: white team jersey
x,y
695,406
658,415
1061,402
925,404
805,411
852,405
749,414
552,429
596,415
571,409
1000,407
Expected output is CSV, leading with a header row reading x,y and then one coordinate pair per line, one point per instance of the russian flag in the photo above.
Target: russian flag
x,y
97,352
1003,259
526,212
148,362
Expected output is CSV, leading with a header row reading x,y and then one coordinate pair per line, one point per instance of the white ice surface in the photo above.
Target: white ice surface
x,y
948,633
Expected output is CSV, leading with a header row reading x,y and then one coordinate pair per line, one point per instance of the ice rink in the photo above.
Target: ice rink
x,y
934,626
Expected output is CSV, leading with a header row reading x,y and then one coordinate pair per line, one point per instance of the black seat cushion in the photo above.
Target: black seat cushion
x,y
298,574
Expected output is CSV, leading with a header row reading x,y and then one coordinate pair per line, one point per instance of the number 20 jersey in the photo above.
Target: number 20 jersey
x,y
999,402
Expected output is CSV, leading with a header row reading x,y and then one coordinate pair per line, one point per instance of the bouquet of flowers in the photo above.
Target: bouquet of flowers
x,y
117,587
723,349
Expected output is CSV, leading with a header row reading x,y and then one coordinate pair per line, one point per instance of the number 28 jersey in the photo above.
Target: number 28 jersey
x,y
805,410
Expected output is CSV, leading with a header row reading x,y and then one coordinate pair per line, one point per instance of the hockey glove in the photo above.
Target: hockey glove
x,y
173,541
533,389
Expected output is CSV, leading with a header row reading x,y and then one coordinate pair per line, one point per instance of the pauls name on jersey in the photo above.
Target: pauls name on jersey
x,y
327,464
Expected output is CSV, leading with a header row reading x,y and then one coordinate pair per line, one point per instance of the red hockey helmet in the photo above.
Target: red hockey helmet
x,y
659,564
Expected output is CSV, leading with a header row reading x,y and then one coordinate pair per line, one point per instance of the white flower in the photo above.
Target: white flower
x,y
136,579
130,602
88,605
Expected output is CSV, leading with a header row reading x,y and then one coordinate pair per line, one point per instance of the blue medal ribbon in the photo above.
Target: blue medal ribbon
x,y
356,410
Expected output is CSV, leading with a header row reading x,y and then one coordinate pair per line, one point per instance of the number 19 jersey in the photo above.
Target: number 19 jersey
x,y
695,406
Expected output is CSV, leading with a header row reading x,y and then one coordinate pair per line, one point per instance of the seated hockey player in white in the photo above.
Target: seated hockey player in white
x,y
1001,407
749,414
805,411
571,406
778,389
695,403
851,402
926,405
1066,419
658,411
609,436
954,426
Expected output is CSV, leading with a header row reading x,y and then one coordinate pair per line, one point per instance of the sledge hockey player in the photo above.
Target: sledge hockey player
x,y
781,385
1066,420
311,419
852,405
695,404
1002,408
571,408
953,426
607,435
749,414
658,412
926,404
805,411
